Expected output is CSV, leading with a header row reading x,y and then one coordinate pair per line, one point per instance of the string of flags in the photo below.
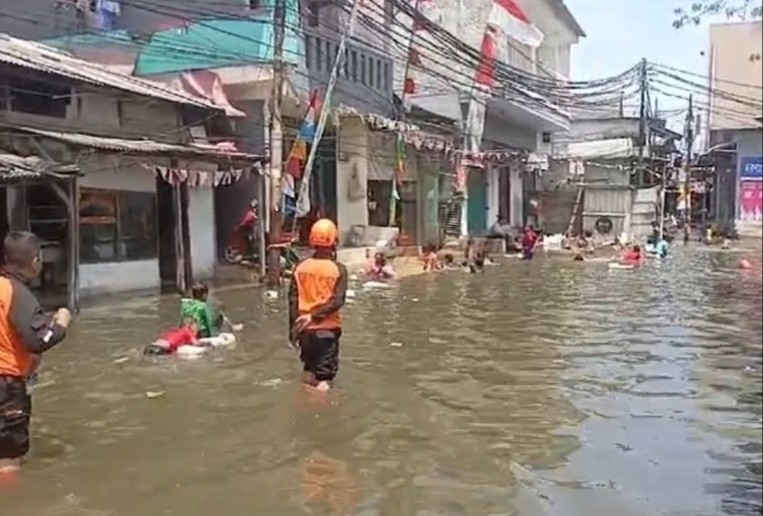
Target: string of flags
x,y
196,178
295,163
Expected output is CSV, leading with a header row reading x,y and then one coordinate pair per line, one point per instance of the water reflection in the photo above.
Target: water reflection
x,y
538,388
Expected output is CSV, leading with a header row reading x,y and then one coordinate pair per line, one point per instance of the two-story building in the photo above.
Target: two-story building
x,y
736,72
517,117
139,211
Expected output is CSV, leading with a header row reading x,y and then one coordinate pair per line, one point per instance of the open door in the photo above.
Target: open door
x,y
166,223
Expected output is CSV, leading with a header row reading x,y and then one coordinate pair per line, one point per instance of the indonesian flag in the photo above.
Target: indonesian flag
x,y
508,17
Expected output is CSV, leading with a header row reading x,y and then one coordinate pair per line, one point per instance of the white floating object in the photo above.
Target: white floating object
x,y
349,294
353,277
191,351
375,284
221,340
237,327
620,266
396,344
271,294
154,394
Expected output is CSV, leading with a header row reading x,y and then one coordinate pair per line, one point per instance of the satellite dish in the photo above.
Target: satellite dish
x,y
604,225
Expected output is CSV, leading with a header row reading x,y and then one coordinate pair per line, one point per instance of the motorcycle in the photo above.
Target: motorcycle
x,y
242,242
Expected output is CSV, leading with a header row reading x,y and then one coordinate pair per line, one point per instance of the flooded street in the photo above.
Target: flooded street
x,y
543,388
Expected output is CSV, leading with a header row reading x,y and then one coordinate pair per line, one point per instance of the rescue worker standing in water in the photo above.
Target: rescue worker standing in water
x,y
316,296
26,332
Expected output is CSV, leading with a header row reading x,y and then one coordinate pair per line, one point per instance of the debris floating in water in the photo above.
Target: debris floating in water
x,y
121,360
271,294
349,294
154,394
396,344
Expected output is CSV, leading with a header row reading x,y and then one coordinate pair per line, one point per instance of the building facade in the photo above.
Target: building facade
x,y
139,214
736,75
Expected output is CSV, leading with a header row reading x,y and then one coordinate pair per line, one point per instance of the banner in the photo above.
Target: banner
x,y
750,201
751,168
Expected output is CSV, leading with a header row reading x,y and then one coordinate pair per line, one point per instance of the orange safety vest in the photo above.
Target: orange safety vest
x,y
316,280
15,359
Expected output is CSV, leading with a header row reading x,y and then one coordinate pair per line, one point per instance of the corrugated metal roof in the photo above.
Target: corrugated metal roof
x,y
42,58
143,147
18,168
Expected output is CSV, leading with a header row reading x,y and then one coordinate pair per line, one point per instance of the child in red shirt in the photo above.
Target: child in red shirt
x,y
632,256
169,342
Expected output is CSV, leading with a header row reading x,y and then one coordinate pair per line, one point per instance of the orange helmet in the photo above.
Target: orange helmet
x,y
324,234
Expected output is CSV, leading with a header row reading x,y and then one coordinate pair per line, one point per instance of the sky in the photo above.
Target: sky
x,y
619,33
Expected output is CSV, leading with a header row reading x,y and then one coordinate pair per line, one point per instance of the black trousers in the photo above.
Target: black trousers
x,y
15,413
319,352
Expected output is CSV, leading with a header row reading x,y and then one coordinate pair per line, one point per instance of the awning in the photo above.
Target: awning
x,y
147,147
17,169
207,84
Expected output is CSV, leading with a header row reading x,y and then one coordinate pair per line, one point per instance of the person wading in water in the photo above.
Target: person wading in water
x,y
316,296
26,332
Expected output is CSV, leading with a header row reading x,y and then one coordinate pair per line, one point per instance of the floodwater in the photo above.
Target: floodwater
x,y
543,388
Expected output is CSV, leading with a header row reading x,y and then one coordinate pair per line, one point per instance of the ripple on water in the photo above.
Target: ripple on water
x,y
537,388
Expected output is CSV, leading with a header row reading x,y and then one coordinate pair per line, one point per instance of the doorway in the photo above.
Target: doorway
x,y
476,204
166,220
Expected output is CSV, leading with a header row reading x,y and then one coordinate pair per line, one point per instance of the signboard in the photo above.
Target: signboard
x,y
751,168
750,201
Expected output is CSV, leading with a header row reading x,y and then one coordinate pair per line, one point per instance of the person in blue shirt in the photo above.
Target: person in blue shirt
x,y
657,247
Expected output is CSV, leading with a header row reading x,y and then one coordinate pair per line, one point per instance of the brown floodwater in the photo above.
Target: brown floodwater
x,y
542,388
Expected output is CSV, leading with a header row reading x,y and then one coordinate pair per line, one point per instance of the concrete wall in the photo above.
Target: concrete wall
x,y
736,69
352,137
101,278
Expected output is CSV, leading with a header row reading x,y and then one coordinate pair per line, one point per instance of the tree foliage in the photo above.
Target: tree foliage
x,y
731,9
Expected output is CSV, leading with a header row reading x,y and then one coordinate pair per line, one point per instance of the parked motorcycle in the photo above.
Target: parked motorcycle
x,y
242,242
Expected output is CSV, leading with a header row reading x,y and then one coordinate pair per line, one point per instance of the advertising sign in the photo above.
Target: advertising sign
x,y
751,168
750,201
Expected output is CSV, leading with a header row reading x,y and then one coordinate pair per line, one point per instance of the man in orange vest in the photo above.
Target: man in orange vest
x,y
316,295
26,332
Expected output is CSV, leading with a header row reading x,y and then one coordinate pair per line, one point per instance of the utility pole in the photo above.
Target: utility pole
x,y
686,165
326,106
642,119
275,142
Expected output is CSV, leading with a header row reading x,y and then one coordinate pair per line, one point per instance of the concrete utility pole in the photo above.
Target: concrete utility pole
x,y
275,144
686,165
642,119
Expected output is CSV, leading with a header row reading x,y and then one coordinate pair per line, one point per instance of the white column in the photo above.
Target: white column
x,y
516,196
493,197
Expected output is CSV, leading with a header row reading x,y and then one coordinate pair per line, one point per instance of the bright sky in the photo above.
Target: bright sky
x,y
621,32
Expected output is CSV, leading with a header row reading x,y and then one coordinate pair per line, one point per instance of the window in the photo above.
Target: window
x,y
362,69
371,71
318,54
38,98
387,83
117,226
379,75
313,14
354,65
255,4
308,51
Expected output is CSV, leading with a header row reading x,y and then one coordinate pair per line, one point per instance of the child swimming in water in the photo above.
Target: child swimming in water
x,y
172,340
209,320
429,258
379,269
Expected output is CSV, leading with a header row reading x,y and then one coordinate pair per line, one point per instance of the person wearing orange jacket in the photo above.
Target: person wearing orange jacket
x,y
316,296
26,332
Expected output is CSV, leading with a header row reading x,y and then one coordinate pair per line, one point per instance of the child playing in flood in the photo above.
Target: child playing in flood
x,y
379,269
633,256
170,341
210,320
429,258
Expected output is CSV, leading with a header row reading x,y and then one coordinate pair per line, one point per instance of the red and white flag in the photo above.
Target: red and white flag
x,y
508,17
